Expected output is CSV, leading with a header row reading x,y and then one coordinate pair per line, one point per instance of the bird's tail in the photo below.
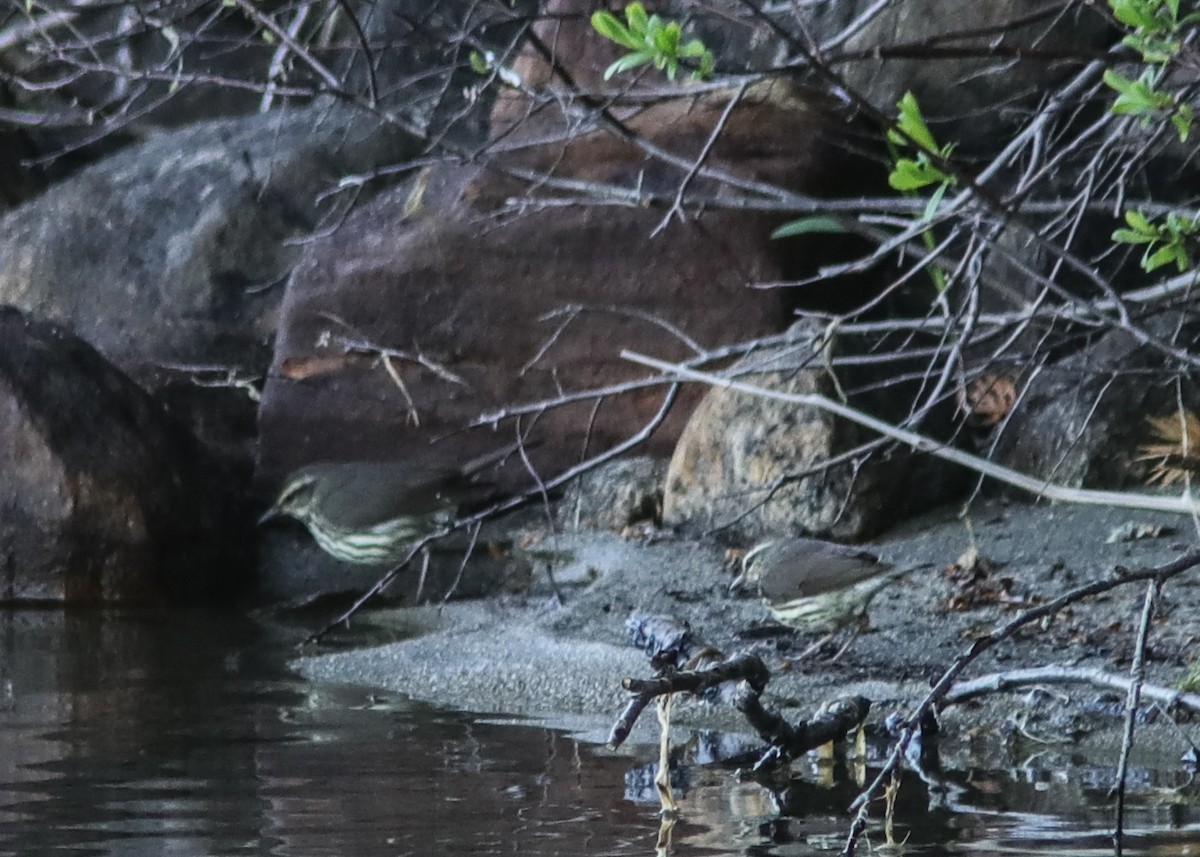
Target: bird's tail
x,y
875,584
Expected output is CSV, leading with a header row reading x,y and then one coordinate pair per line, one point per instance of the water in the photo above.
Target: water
x,y
160,734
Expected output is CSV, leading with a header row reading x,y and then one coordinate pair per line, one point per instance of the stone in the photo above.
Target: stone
x,y
972,101
164,256
1079,421
977,69
748,467
451,303
615,495
103,495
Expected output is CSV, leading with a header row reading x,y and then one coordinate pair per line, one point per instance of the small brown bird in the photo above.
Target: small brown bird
x,y
370,512
814,585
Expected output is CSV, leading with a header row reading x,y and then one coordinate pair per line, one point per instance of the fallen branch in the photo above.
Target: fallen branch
x,y
1167,697
738,680
1137,678
832,722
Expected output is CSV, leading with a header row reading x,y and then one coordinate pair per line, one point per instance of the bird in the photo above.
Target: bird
x,y
819,586
370,512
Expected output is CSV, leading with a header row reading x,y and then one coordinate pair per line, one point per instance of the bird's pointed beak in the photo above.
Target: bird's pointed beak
x,y
269,515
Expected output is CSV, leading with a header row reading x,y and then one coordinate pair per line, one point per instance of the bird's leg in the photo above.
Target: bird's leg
x,y
861,625
423,575
816,647
846,645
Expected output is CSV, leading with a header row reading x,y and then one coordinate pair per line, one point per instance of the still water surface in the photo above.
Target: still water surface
x,y
151,734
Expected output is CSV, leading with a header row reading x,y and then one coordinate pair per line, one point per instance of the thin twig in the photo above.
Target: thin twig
x,y
1137,676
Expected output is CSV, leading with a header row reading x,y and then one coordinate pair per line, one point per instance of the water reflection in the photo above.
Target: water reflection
x,y
153,734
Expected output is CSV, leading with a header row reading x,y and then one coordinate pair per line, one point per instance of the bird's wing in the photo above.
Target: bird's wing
x,y
495,457
374,491
808,567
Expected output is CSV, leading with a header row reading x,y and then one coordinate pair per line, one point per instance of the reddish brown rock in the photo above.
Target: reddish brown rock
x,y
486,297
103,497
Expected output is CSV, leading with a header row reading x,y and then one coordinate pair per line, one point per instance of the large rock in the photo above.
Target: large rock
x,y
483,296
999,61
977,69
1081,420
103,497
616,495
163,256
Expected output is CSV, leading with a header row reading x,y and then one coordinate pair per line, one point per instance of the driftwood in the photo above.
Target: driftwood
x,y
1169,698
686,665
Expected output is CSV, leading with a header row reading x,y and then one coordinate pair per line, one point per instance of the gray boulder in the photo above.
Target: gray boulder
x,y
168,256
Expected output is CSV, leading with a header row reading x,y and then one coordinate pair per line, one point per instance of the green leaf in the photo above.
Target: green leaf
x,y
1131,17
935,200
1165,255
912,123
639,22
1140,222
629,61
909,175
666,39
1117,81
1137,97
607,25
1152,48
1178,225
1128,236
809,225
1137,14
914,175
650,39
1182,120
479,65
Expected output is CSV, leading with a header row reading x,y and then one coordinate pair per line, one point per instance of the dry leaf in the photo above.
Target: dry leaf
x,y
972,574
1131,532
1175,451
986,400
300,368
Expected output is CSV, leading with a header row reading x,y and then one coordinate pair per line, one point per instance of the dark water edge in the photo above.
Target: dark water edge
x,y
150,733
